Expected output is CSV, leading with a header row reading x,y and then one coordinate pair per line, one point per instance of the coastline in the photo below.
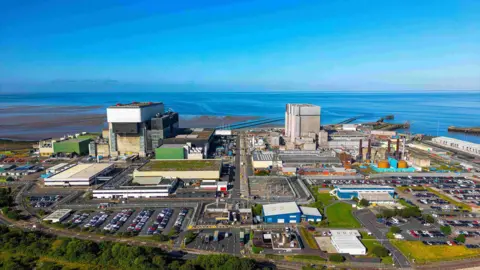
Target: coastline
x,y
30,123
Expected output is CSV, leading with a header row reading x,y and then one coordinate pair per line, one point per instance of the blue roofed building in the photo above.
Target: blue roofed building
x,y
287,212
373,193
310,214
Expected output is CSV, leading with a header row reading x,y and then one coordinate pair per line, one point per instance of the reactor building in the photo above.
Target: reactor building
x,y
301,120
139,127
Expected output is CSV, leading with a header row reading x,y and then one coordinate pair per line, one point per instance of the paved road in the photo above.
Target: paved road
x,y
368,220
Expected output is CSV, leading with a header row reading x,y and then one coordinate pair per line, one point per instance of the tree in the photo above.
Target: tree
x,y
380,251
364,203
460,238
447,230
257,210
336,258
388,213
189,237
395,229
429,219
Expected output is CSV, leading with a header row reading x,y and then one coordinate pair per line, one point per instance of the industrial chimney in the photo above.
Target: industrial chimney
x,y
360,151
369,151
397,155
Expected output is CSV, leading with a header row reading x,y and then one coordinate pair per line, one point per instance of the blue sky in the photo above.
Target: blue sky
x,y
324,45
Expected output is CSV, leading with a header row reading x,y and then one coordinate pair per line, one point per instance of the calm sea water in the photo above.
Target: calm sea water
x,y
428,113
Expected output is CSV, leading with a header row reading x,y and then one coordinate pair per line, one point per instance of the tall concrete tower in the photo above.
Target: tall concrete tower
x,y
301,119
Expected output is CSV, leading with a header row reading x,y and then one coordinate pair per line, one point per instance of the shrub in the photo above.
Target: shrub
x,y
364,203
380,251
460,238
447,230
257,250
336,258
395,229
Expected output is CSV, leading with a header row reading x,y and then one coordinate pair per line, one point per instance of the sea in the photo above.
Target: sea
x,y
428,113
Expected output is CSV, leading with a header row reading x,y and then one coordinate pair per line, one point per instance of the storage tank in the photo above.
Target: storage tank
x,y
402,164
383,164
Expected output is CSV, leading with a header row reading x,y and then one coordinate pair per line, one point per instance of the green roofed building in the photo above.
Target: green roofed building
x,y
79,146
170,151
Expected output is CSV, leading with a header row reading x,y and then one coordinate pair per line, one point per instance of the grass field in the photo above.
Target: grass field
x,y
182,165
305,258
322,199
450,200
425,254
370,242
340,215
308,238
402,189
8,145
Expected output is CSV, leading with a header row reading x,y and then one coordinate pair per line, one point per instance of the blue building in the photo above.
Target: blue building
x,y
348,192
310,214
281,213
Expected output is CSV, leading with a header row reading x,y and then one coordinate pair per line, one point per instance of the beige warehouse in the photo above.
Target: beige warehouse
x,y
182,168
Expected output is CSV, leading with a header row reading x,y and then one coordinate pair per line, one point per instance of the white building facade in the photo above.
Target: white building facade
x,y
301,119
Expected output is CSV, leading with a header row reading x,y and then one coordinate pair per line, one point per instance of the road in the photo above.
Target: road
x,y
368,219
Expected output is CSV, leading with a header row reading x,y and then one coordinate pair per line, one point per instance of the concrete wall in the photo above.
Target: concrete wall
x,y
103,150
128,144
301,119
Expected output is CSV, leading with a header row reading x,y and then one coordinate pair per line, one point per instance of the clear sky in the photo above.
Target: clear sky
x,y
318,44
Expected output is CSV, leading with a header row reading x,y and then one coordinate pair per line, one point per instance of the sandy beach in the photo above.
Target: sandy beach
x,y
39,122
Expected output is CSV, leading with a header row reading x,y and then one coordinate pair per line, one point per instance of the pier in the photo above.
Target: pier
x,y
469,130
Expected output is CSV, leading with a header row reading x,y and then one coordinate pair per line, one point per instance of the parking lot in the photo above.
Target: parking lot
x,y
137,221
434,181
427,200
42,201
228,241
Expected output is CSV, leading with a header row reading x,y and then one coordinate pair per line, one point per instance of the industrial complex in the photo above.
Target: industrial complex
x,y
358,192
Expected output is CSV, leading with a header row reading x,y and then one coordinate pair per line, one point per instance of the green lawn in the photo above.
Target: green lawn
x,y
182,165
424,254
308,238
370,242
322,199
340,215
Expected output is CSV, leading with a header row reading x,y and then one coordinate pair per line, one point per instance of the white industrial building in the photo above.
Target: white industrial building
x,y
464,146
57,168
79,175
301,119
377,197
139,127
347,241
58,216
137,192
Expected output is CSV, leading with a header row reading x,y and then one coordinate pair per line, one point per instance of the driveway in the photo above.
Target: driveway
x,y
368,220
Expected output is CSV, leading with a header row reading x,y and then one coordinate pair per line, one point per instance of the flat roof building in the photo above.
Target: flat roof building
x,y
348,192
311,214
347,241
287,212
182,169
301,119
78,146
163,188
58,216
464,146
79,175
377,197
